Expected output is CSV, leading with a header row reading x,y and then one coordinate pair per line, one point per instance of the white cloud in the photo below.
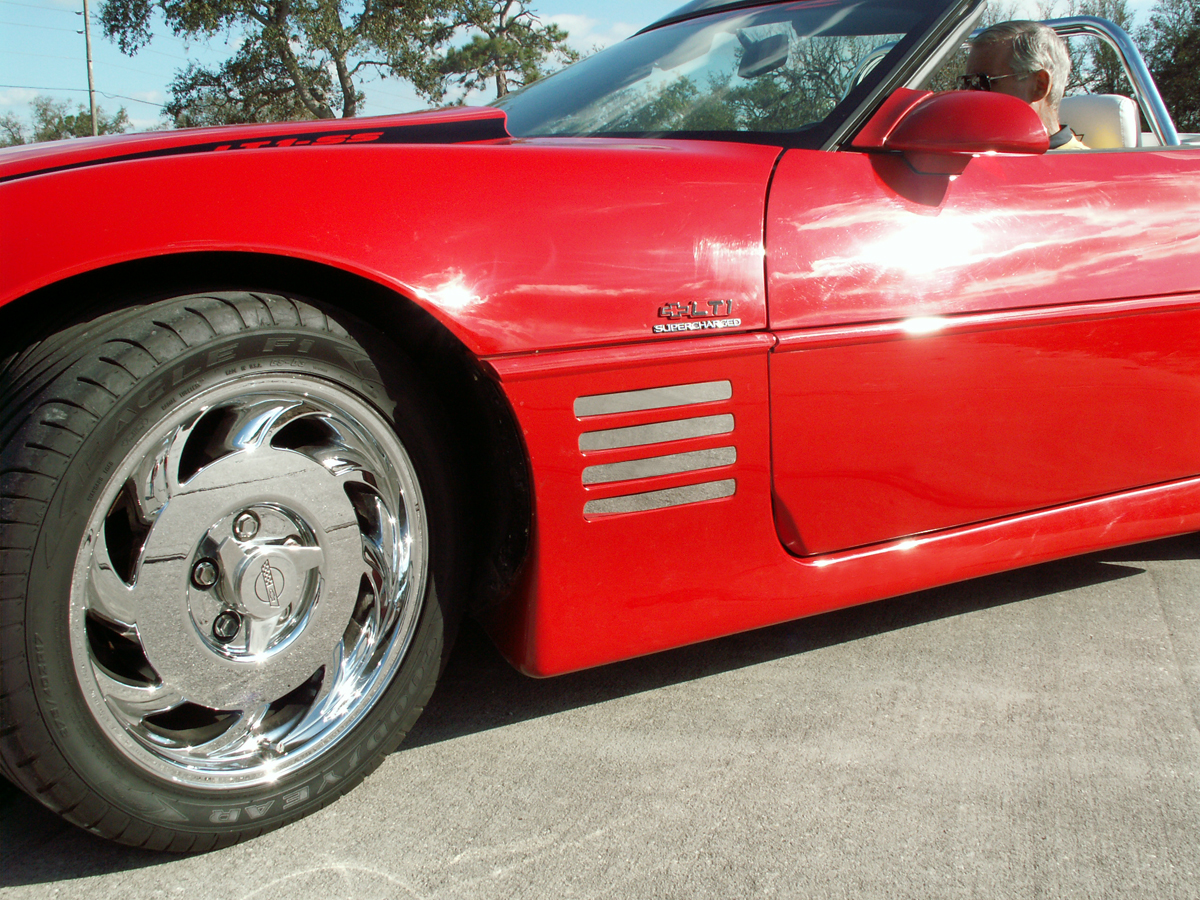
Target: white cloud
x,y
149,96
585,33
16,97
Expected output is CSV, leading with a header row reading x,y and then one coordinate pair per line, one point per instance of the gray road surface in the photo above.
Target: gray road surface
x,y
1030,735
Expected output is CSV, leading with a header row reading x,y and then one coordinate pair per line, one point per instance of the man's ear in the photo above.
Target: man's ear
x,y
1041,85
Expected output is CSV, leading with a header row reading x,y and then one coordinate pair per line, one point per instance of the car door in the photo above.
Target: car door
x,y
958,349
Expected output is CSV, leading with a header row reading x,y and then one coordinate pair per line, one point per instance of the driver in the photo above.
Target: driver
x,y
1027,60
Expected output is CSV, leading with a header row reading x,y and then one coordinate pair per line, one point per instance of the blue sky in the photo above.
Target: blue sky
x,y
42,52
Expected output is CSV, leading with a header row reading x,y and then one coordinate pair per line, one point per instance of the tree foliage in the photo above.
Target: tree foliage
x,y
1095,67
52,120
253,85
1171,42
508,44
298,59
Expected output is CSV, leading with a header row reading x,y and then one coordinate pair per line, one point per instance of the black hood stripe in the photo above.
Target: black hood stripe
x,y
454,132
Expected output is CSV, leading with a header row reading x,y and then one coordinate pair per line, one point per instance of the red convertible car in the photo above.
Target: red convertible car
x,y
732,323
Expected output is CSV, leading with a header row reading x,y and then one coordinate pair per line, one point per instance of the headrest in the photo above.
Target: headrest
x,y
1102,121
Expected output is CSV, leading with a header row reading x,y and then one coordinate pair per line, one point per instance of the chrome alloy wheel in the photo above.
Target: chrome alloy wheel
x,y
249,581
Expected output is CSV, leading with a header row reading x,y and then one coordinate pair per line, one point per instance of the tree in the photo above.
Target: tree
x,y
12,131
52,121
508,43
298,58
302,59
1095,67
1171,42
252,86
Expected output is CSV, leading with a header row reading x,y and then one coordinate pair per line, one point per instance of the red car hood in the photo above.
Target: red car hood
x,y
448,126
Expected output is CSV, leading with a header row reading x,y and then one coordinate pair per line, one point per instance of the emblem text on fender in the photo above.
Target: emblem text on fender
x,y
696,316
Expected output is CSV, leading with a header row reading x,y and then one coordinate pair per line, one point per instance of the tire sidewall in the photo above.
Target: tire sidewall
x,y
65,711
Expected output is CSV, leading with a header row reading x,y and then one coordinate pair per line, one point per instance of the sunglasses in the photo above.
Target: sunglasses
x,y
978,81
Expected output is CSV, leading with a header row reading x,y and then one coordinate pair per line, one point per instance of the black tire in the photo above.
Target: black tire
x,y
258,442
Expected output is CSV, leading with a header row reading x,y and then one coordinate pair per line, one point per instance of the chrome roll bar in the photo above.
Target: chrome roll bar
x,y
1135,67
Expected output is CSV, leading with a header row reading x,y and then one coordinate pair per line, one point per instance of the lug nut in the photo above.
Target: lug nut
x,y
204,574
245,526
226,626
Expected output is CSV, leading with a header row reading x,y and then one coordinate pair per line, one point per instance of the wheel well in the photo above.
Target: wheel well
x,y
495,476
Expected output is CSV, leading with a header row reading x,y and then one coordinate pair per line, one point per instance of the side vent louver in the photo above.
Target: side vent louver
x,y
641,461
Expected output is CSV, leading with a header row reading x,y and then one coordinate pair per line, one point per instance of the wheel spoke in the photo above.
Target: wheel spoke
x,y
155,479
384,564
345,463
384,546
109,597
333,669
324,709
374,624
244,730
254,423
136,700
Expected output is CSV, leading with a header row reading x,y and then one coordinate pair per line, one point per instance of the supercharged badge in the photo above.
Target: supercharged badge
x,y
695,316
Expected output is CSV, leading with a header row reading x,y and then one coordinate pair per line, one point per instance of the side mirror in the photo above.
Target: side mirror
x,y
939,133
761,57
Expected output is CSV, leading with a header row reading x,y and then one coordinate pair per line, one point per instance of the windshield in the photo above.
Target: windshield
x,y
766,70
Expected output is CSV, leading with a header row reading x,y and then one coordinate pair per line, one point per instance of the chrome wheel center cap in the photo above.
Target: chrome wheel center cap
x,y
267,580
294,582
267,585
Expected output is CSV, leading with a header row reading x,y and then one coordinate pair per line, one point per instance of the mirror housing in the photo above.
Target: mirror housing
x,y
761,57
939,133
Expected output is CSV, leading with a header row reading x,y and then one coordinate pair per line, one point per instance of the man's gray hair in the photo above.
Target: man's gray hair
x,y
1034,46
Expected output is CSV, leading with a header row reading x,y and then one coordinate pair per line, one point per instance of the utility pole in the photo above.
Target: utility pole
x,y
87,37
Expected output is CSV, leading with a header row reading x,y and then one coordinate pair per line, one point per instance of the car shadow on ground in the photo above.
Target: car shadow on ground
x,y
480,691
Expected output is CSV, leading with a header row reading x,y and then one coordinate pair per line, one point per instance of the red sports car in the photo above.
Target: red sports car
x,y
732,323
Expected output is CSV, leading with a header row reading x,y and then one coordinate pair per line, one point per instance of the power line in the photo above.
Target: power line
x,y
161,53
99,62
43,27
41,8
40,55
79,31
106,95
34,87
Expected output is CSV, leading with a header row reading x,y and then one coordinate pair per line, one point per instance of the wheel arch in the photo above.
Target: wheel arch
x,y
479,414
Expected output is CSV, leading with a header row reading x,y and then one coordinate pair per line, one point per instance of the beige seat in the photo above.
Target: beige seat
x,y
1102,121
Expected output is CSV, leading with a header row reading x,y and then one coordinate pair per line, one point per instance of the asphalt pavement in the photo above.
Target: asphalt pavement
x,y
1029,735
